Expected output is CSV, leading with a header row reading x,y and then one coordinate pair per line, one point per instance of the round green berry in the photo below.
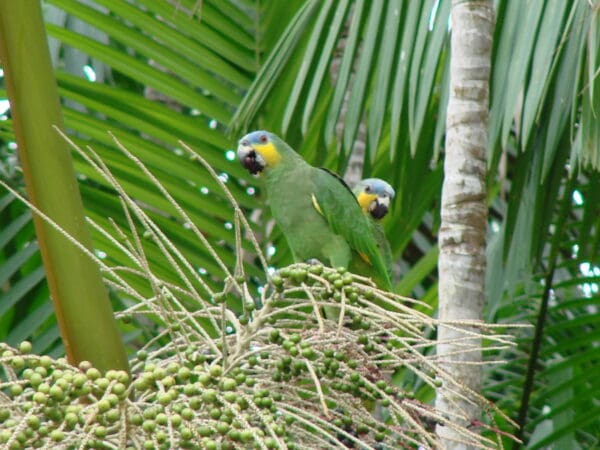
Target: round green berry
x,y
36,379
33,422
162,419
57,435
222,427
112,415
209,396
216,370
92,373
100,431
40,398
187,414
136,419
186,433
209,444
5,435
205,431
246,435
149,426
15,390
103,405
71,420
79,380
228,384
17,362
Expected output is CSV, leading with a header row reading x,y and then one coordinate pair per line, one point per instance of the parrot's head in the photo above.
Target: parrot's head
x,y
259,150
374,196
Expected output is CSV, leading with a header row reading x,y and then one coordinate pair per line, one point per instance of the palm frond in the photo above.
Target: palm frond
x,y
552,378
25,306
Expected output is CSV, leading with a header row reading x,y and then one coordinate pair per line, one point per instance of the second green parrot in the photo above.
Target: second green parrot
x,y
317,212
374,196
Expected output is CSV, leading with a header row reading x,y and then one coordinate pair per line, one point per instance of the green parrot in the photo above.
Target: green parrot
x,y
374,196
317,212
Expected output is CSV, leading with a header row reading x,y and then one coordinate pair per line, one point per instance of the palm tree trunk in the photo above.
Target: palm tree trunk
x,y
464,210
88,327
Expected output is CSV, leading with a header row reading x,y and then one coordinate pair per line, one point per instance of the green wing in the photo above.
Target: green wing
x,y
384,245
341,210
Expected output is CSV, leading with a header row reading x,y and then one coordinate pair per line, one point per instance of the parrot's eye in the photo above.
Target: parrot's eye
x,y
367,189
263,138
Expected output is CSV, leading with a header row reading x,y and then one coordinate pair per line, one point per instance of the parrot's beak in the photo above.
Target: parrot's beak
x,y
379,207
249,158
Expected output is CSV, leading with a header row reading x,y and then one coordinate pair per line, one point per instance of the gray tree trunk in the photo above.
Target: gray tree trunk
x,y
464,209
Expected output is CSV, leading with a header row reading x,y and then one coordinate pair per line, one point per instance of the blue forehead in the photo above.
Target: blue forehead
x,y
379,186
254,137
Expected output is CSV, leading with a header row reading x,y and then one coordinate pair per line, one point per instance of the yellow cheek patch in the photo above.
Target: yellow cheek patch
x,y
268,152
364,200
